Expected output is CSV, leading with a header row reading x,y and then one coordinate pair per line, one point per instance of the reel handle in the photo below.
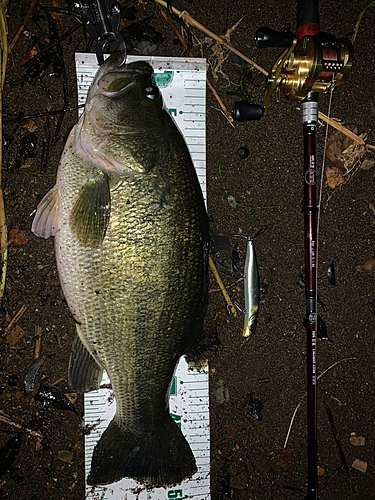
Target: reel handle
x,y
266,37
243,111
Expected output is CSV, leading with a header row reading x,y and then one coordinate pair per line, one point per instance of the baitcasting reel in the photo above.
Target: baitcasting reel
x,y
311,64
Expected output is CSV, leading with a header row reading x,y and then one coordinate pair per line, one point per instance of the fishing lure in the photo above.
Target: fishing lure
x,y
252,289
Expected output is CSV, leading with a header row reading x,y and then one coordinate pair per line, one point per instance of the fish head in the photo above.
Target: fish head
x,y
123,128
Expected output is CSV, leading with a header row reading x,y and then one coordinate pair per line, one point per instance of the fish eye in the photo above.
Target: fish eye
x,y
151,91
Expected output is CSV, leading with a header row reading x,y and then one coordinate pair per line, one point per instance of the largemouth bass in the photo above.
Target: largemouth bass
x,y
131,242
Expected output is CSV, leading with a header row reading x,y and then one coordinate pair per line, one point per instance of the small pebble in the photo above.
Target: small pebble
x,y
243,152
357,440
371,207
221,393
13,380
232,202
359,465
65,456
369,266
321,471
208,42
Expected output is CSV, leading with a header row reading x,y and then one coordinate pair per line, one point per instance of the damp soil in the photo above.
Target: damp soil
x,y
269,367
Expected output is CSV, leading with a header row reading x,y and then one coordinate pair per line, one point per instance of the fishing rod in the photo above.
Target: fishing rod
x,y
312,62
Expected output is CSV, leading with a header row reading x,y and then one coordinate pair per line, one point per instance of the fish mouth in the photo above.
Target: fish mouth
x,y
114,81
115,89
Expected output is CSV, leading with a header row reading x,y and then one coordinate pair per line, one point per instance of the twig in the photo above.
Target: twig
x,y
58,381
344,463
177,33
4,42
20,117
303,397
48,47
3,227
14,320
27,17
8,421
38,342
335,124
222,287
190,20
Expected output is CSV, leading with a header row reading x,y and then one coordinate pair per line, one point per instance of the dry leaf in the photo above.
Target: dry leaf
x,y
56,15
33,52
283,461
72,396
220,316
231,430
334,177
27,164
38,445
29,125
15,335
343,151
16,239
359,465
367,164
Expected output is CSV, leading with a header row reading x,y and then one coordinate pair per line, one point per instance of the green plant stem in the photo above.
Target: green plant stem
x,y
372,4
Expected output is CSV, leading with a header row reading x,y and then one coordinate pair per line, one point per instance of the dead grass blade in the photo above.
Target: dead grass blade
x,y
3,227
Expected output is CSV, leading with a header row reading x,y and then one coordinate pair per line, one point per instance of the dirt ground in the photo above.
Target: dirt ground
x,y
270,366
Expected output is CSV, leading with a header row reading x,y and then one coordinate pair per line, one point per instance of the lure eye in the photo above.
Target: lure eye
x,y
151,91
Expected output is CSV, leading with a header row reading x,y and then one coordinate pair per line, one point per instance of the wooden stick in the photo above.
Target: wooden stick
x,y
14,320
27,17
4,42
222,287
8,421
187,17
335,124
3,226
38,342
58,381
177,33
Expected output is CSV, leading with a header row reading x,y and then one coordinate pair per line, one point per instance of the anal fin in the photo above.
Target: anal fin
x,y
85,373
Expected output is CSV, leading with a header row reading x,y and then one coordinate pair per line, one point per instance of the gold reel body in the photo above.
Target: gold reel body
x,y
310,66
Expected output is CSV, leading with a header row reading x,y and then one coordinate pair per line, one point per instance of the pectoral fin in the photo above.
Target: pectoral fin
x,y
90,214
85,373
45,222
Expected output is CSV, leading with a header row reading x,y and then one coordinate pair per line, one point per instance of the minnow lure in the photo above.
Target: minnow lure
x,y
252,289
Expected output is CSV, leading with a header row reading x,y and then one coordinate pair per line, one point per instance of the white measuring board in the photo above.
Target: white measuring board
x,y
182,83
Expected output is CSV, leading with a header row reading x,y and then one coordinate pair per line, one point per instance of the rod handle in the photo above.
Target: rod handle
x,y
307,18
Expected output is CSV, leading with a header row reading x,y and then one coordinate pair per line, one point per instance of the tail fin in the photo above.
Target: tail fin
x,y
163,458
